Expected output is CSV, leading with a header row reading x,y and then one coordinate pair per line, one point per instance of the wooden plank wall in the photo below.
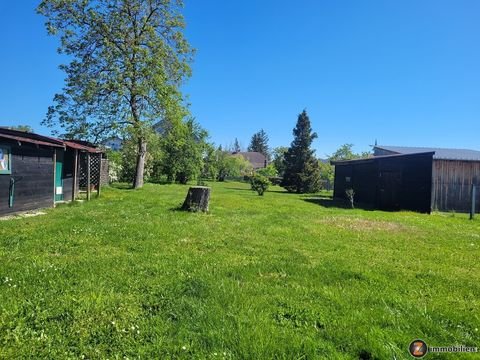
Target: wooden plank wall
x,y
452,183
412,191
32,168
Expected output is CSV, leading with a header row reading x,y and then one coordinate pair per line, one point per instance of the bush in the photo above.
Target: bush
x,y
259,184
269,171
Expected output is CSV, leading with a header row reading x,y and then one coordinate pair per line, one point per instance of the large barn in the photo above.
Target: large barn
x,y
412,178
38,171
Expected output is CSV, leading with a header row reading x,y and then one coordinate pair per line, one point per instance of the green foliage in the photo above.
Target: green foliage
x,y
345,152
210,163
327,172
278,277
229,165
259,183
269,171
129,155
128,61
114,165
259,143
279,159
183,146
302,173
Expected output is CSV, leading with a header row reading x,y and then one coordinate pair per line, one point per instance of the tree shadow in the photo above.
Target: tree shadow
x,y
329,202
248,189
122,186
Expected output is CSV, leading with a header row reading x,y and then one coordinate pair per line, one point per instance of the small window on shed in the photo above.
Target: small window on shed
x,y
5,160
347,179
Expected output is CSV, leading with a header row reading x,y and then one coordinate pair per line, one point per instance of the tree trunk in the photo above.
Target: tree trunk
x,y
197,199
142,154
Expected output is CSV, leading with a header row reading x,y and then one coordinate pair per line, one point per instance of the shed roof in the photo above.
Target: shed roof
x,y
31,138
380,157
37,139
440,153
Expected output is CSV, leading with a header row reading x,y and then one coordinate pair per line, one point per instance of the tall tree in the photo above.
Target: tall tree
x,y
236,146
302,173
259,143
129,58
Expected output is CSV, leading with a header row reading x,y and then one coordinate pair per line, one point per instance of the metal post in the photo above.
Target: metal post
x,y
54,175
88,176
474,196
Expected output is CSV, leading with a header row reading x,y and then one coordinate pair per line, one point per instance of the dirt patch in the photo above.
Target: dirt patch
x,y
358,224
22,215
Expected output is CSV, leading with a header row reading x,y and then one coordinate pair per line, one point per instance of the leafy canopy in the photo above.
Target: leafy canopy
x,y
129,58
259,143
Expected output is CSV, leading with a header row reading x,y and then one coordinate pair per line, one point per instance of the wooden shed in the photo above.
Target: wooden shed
x,y
409,178
454,172
38,171
390,182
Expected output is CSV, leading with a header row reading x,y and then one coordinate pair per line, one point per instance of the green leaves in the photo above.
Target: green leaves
x,y
129,59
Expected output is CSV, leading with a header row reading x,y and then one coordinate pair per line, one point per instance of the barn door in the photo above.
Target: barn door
x,y
390,188
59,176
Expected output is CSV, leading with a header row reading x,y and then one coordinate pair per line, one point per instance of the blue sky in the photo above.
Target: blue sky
x,y
403,72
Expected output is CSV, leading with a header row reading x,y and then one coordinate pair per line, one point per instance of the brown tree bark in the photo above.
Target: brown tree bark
x,y
140,168
197,199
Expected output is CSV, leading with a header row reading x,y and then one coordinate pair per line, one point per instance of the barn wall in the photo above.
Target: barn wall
x,y
361,177
452,184
32,168
396,183
416,181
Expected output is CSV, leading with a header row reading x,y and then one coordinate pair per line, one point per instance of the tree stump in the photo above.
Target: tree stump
x,y
197,199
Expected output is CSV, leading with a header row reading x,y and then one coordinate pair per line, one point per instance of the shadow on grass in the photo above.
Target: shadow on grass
x,y
122,186
248,189
329,202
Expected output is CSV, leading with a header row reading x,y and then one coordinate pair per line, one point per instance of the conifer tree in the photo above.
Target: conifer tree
x,y
302,173
259,143
236,146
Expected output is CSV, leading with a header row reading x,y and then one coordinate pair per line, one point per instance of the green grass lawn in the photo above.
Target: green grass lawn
x,y
282,276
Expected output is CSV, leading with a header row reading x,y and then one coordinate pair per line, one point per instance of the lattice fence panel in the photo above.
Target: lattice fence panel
x,y
95,160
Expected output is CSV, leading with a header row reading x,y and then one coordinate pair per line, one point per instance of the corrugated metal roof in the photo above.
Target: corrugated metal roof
x,y
440,153
375,158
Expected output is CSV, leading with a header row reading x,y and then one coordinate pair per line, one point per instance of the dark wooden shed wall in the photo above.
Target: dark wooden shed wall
x,y
395,183
32,168
452,184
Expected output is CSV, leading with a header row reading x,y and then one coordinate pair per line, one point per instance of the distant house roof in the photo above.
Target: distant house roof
x,y
258,160
440,153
